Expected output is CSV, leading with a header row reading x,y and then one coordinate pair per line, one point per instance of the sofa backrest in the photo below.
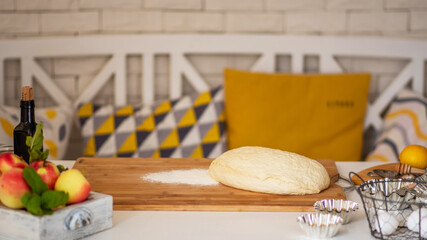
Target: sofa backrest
x,y
267,50
178,46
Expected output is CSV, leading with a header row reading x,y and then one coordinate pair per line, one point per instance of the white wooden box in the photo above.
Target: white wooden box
x,y
72,222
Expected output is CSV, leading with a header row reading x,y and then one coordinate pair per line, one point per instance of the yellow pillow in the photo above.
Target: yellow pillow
x,y
318,116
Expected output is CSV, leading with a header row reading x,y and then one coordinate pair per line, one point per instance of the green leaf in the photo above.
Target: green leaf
x,y
25,198
42,200
38,137
34,181
34,154
32,204
35,145
28,141
44,155
52,199
48,211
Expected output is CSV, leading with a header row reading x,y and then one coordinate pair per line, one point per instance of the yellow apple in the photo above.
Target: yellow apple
x,y
12,187
75,184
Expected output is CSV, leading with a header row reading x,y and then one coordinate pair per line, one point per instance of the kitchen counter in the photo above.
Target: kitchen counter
x,y
227,225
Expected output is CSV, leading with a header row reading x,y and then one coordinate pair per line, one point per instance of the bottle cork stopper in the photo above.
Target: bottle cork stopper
x,y
27,93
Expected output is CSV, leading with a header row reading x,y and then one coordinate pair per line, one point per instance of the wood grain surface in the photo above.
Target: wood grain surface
x,y
122,178
364,173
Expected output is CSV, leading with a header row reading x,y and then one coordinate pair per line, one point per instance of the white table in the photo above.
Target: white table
x,y
172,225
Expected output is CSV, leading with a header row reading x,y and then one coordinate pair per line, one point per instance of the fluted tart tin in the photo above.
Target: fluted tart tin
x,y
343,208
320,225
385,192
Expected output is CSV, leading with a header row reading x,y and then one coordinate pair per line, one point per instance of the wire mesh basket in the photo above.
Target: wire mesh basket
x,y
396,208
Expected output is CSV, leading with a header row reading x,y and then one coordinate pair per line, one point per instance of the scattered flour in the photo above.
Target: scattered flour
x,y
191,177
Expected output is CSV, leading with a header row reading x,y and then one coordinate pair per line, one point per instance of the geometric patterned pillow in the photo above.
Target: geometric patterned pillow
x,y
404,124
191,126
56,127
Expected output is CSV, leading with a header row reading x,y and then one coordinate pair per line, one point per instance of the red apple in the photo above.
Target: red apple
x,y
12,187
75,184
9,160
47,171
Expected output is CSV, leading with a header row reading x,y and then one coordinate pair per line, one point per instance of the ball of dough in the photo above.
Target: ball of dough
x,y
387,222
269,170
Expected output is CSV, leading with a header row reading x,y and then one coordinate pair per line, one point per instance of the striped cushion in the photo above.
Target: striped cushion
x,y
405,123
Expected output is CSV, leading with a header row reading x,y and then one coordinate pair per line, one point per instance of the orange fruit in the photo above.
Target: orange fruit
x,y
414,155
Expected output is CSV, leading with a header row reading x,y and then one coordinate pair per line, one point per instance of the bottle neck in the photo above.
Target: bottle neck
x,y
27,111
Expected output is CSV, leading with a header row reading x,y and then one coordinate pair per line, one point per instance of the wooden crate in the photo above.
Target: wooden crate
x,y
72,222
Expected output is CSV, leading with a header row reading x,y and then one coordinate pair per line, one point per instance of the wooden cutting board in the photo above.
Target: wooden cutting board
x,y
388,166
364,173
122,178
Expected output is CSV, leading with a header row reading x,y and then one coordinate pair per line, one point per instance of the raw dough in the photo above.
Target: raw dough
x,y
269,170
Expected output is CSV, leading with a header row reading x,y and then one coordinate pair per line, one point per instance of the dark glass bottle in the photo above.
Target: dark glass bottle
x,y
27,126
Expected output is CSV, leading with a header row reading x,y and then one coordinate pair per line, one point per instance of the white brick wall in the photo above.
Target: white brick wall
x,y
254,22
354,4
130,20
419,21
324,22
108,4
227,5
193,22
7,5
396,18
174,4
79,65
19,23
407,4
12,73
378,22
69,22
45,4
290,5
